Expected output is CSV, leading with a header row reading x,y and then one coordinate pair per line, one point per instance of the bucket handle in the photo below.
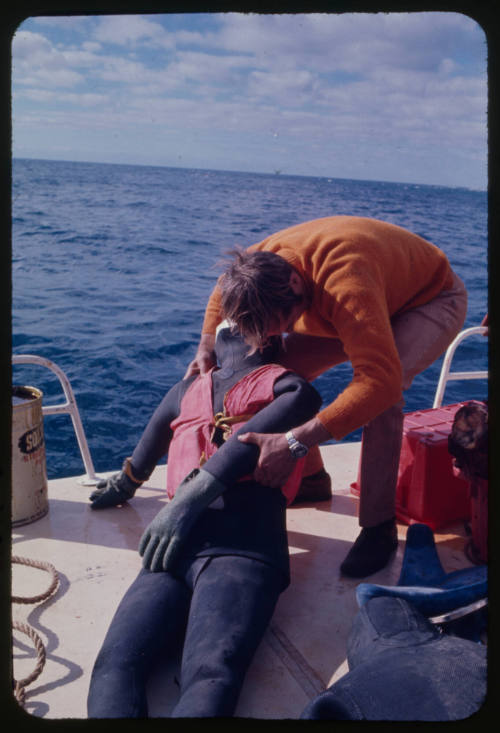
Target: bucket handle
x,y
70,407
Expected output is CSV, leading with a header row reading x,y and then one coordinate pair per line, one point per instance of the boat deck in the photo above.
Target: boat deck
x,y
95,555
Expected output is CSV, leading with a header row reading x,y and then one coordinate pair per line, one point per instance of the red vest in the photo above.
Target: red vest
x,y
191,444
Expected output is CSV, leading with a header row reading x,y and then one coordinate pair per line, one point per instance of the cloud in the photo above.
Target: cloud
x,y
37,62
92,46
125,30
354,42
411,81
289,88
79,100
65,22
122,70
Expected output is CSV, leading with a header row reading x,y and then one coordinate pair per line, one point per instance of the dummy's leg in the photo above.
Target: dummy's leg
x,y
421,336
148,622
233,601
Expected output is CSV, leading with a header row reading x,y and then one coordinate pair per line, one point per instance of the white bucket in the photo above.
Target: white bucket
x,y
29,469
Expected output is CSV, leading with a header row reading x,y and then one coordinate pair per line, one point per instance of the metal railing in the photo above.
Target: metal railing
x,y
70,407
446,375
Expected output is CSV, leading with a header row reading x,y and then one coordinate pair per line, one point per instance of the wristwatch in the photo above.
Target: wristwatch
x,y
298,450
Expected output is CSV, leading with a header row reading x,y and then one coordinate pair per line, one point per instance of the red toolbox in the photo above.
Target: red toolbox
x,y
428,490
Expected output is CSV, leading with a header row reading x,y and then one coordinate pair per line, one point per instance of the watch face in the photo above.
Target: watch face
x,y
298,449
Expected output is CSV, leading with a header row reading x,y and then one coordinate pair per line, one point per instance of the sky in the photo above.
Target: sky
x,y
384,96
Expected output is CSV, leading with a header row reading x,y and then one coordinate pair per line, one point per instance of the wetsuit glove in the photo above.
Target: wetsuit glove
x,y
165,536
112,491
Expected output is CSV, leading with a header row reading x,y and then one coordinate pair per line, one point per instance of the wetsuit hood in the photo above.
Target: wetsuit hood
x,y
233,353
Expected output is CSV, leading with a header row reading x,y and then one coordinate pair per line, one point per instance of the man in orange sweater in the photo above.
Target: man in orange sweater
x,y
343,288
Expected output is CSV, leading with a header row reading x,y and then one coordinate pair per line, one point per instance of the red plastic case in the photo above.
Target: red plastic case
x,y
428,490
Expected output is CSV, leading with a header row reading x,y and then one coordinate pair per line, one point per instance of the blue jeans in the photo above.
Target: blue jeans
x,y
223,606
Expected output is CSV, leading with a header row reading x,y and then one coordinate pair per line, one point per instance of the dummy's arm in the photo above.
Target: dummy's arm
x,y
154,442
295,402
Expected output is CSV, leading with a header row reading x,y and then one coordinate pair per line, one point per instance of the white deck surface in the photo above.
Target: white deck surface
x,y
95,554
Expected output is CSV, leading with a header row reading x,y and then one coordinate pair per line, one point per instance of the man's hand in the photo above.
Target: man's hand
x,y
205,356
275,462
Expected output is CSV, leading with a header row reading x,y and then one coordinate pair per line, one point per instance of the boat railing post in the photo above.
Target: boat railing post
x,y
70,407
446,375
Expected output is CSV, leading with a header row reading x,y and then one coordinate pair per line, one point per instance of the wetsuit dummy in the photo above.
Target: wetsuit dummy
x,y
222,588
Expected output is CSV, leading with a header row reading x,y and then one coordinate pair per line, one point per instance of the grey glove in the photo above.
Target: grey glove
x,y
165,535
112,491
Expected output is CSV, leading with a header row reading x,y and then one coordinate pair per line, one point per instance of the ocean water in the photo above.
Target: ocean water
x,y
112,266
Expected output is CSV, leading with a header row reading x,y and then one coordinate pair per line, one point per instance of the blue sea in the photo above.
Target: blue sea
x,y
113,264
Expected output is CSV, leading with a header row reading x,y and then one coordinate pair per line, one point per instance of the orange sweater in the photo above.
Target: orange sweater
x,y
360,272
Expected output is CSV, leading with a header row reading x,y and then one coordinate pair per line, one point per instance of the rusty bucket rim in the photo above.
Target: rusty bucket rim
x,y
28,392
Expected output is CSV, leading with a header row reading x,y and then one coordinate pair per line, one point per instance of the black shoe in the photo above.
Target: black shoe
x,y
371,551
316,487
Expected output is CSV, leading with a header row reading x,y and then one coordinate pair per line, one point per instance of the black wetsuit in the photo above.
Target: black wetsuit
x,y
228,580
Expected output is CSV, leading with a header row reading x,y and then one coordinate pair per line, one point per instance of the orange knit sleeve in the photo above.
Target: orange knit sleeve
x,y
358,309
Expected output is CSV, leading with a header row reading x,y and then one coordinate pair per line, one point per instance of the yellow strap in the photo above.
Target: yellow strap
x,y
224,422
221,419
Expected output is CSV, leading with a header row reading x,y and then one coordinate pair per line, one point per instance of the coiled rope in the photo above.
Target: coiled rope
x,y
20,685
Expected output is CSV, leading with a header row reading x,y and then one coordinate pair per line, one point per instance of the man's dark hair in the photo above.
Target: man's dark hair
x,y
255,290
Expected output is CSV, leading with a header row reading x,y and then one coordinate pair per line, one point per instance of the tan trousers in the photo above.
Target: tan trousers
x,y
421,336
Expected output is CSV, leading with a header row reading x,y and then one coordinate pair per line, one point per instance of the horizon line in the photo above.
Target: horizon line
x,y
275,173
